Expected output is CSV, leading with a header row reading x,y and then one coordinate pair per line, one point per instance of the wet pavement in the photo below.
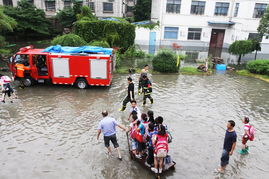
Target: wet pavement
x,y
50,131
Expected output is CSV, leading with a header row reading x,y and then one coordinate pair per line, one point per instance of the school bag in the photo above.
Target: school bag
x,y
251,133
161,146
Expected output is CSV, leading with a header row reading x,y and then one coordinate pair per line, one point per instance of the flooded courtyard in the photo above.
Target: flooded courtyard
x,y
50,131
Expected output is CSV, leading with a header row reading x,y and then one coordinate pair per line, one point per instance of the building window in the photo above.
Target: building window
x,y
50,5
192,57
31,1
107,7
194,34
197,7
67,3
91,5
221,8
129,8
259,10
173,6
170,32
253,36
7,3
236,9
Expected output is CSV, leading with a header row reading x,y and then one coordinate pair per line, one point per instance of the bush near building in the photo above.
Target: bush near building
x,y
166,62
258,67
72,40
99,44
115,33
241,47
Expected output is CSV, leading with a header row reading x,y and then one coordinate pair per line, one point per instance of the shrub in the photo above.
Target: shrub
x,y
134,52
115,33
241,47
259,67
99,44
165,61
69,40
66,17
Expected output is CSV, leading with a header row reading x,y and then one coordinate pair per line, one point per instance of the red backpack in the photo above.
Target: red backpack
x,y
251,133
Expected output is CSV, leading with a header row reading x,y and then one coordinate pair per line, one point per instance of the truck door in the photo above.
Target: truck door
x,y
40,66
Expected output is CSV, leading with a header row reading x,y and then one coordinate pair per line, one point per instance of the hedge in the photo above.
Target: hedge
x,y
115,33
166,62
258,67
69,40
99,44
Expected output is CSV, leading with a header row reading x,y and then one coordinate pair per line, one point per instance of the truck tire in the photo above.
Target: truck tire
x,y
27,81
81,83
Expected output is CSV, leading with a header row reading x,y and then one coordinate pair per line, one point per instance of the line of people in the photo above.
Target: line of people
x,y
149,138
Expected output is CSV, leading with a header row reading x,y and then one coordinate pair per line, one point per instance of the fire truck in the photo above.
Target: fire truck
x,y
79,66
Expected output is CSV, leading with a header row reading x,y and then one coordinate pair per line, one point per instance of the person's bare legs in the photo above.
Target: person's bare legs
x,y
222,169
119,153
161,165
109,150
3,97
156,163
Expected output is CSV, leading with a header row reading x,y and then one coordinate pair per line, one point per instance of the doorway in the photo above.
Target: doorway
x,y
216,42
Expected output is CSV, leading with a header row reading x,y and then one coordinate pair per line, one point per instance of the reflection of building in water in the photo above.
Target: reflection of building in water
x,y
204,23
101,8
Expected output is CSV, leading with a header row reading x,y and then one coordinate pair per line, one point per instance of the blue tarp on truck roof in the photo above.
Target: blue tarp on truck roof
x,y
82,49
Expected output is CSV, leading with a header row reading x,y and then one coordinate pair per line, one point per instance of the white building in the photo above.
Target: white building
x,y
101,8
203,23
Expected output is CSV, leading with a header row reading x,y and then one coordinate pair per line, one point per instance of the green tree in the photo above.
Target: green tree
x,y
166,62
66,17
31,21
77,7
142,10
72,40
256,46
86,14
241,47
263,27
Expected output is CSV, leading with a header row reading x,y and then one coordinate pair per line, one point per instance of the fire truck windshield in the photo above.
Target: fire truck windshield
x,y
22,59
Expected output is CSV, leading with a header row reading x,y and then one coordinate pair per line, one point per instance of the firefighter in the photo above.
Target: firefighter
x,y
20,68
143,72
130,95
146,89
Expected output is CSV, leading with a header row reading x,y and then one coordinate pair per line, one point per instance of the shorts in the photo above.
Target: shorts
x,y
111,138
133,144
224,158
245,139
141,146
8,89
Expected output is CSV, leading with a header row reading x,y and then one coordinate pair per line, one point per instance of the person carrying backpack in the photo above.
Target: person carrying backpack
x,y
160,142
249,132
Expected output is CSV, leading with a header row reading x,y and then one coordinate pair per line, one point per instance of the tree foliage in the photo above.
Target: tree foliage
x,y
66,17
142,10
263,28
31,21
99,44
115,33
166,62
6,23
241,47
259,67
86,14
72,40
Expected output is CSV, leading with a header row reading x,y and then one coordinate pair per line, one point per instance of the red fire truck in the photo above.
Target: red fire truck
x,y
91,66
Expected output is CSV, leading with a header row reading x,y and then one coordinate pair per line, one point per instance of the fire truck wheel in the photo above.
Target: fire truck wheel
x,y
81,83
27,82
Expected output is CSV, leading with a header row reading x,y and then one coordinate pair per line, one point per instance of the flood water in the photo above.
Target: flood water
x,y
50,131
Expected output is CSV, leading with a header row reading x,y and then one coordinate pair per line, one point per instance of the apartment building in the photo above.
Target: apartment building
x,y
204,23
101,8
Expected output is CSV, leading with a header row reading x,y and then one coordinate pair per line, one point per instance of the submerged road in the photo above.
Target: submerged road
x,y
50,131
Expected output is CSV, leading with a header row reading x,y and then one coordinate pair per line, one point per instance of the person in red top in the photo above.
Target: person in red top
x,y
160,142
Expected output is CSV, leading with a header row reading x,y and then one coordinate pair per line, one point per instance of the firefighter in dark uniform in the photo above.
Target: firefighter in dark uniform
x,y
146,89
130,95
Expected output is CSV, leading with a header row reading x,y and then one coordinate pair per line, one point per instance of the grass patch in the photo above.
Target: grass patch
x,y
193,71
247,73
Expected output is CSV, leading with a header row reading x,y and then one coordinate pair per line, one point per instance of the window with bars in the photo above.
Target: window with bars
x,y
236,9
170,32
259,10
194,33
107,7
173,6
253,36
91,5
50,5
67,4
221,8
197,7
7,2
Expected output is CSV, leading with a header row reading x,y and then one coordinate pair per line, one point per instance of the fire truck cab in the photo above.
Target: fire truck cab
x,y
91,67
